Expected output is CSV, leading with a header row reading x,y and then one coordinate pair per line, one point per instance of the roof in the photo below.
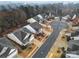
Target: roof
x,y
73,52
74,16
33,27
76,33
36,25
26,30
4,51
76,42
38,18
6,41
73,44
6,48
21,37
43,15
31,20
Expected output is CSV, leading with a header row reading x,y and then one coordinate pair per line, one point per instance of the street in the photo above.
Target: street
x,y
45,48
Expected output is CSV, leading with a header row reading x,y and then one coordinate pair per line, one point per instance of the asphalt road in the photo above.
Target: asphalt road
x,y
45,48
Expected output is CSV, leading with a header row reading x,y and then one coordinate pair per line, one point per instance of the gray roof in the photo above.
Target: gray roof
x,y
76,42
36,26
6,53
6,42
74,52
76,33
26,30
21,35
38,18
73,44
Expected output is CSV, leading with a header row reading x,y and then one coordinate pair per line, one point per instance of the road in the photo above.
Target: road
x,y
45,48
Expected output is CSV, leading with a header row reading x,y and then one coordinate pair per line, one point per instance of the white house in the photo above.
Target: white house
x,y
39,18
57,18
7,50
73,51
74,16
69,55
21,37
75,38
31,20
34,28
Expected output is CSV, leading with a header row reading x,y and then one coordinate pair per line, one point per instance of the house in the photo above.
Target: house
x,y
66,18
7,50
74,16
73,45
51,17
68,34
75,38
73,49
73,35
38,18
76,33
70,37
72,54
43,15
34,28
31,20
57,18
75,21
21,37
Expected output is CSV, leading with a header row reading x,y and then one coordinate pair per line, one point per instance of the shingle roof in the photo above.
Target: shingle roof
x,y
74,52
38,18
26,30
76,42
5,42
73,44
20,36
36,26
4,53
76,33
6,48
31,20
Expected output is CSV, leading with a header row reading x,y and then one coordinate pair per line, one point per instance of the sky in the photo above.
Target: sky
x,y
39,1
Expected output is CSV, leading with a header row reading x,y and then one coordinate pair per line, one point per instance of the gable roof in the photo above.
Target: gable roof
x,y
31,20
38,18
74,52
6,48
76,42
73,44
6,41
76,33
4,51
20,37
34,27
26,30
